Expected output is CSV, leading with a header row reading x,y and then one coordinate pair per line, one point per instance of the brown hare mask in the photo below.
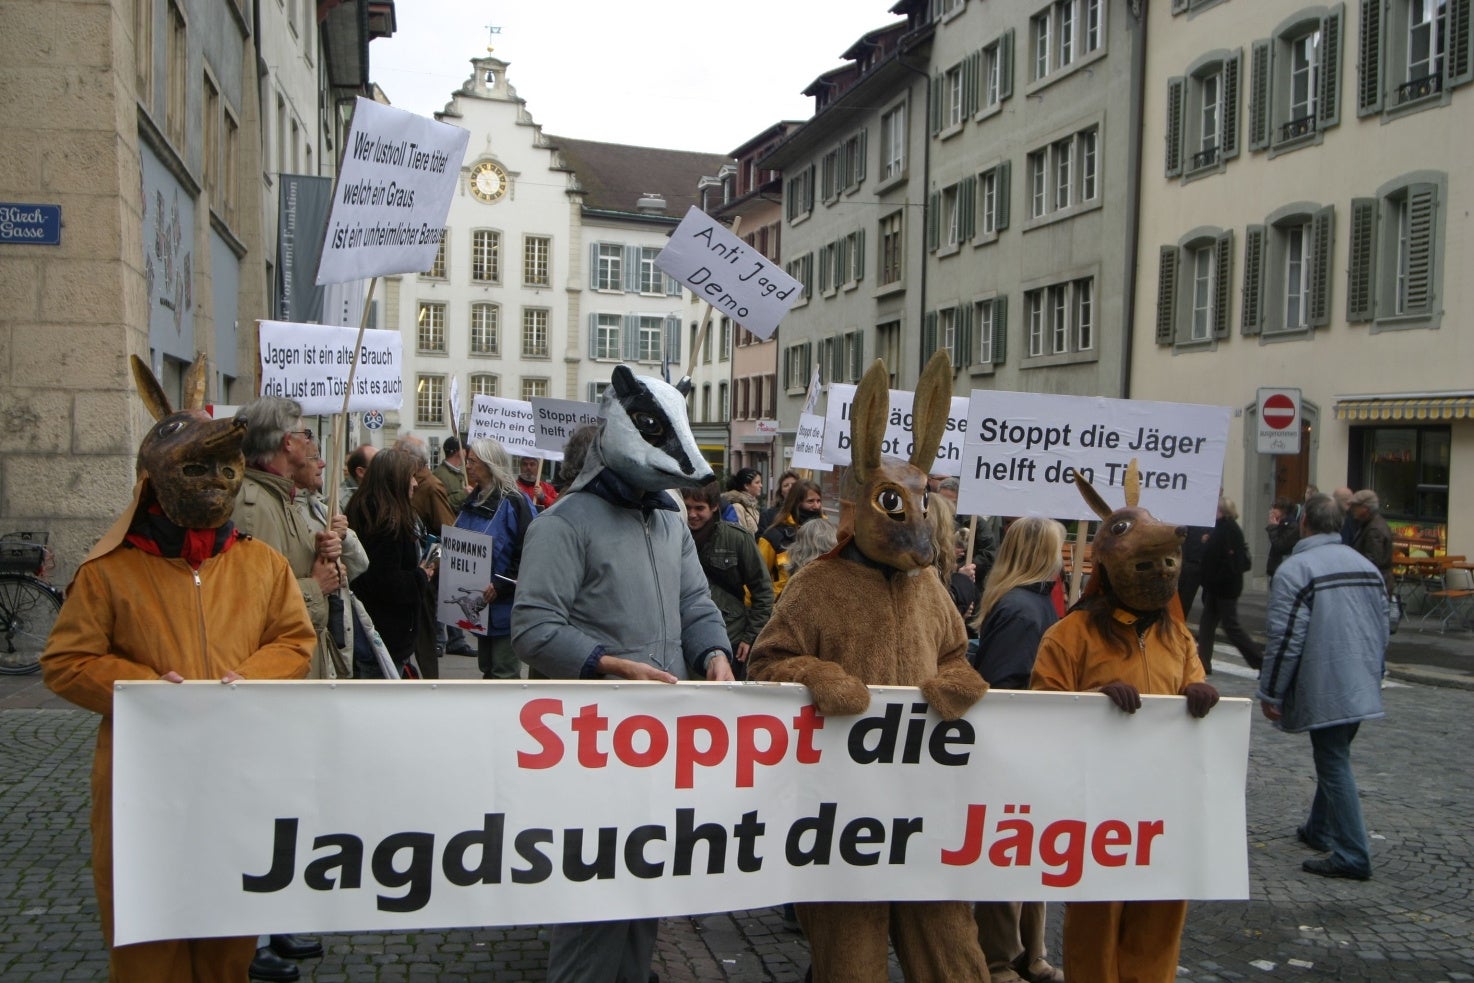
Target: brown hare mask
x,y
883,500
1141,556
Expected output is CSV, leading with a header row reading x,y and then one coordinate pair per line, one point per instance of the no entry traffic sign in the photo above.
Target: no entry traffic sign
x,y
1278,423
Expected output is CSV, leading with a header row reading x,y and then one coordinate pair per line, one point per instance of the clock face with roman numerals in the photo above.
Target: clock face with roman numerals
x,y
488,181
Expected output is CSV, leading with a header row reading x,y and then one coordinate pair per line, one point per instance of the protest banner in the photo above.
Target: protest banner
x,y
511,423
586,798
395,183
465,570
311,364
897,431
453,399
808,443
556,419
1023,450
733,277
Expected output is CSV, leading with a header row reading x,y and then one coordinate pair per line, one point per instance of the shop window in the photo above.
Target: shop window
x,y
1408,467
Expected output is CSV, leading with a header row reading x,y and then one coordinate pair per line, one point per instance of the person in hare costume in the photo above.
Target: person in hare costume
x,y
872,612
1125,637
174,592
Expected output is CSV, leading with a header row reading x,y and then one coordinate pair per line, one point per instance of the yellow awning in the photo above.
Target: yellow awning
x,y
1418,409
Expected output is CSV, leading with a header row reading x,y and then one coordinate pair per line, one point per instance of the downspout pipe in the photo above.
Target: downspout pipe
x,y
1137,10
925,197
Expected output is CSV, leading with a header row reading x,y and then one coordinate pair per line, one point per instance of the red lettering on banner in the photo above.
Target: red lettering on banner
x,y
588,725
747,751
531,719
1110,833
687,755
804,725
1060,845
657,742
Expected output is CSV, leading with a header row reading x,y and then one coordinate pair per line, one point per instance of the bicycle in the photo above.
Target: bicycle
x,y
28,604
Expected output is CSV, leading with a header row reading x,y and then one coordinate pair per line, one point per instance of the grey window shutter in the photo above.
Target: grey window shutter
x,y
859,165
1179,6
842,261
1422,209
1176,88
1369,63
860,255
593,266
972,71
630,336
1003,191
809,191
593,389
1458,62
838,363
1222,285
1230,138
1167,296
593,334
808,349
962,348
1323,238
672,286
933,228
857,356
632,269
968,206
928,336
824,269
787,366
1259,116
1362,262
673,337
1252,316
1328,99
935,99
1005,65
1000,329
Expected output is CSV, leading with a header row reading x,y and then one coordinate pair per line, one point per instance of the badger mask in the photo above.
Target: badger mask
x,y
647,439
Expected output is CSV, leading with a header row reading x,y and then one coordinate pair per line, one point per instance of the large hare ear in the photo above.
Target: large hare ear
x,y
194,383
149,389
1133,484
930,410
868,415
1092,497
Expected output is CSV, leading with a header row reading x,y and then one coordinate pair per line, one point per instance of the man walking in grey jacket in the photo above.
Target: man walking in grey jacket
x,y
1323,661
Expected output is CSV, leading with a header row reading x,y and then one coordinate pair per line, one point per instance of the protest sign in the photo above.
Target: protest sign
x,y
395,184
737,280
465,570
1023,450
720,797
897,431
556,419
808,443
310,363
454,397
511,423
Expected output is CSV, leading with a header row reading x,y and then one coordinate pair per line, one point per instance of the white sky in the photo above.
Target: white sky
x,y
680,74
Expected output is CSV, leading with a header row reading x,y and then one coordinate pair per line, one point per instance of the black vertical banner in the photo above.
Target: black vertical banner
x,y
302,221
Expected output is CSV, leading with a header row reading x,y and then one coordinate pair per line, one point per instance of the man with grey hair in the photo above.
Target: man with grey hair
x,y
1322,673
1373,537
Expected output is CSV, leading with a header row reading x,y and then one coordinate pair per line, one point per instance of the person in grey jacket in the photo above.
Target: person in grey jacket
x,y
610,587
1323,661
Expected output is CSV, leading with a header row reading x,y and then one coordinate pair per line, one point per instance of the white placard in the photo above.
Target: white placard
x,y
714,797
455,406
556,419
510,423
721,269
310,363
465,570
808,443
898,437
398,176
1023,449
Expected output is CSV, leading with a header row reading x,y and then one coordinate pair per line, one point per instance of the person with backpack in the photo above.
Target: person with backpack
x,y
497,507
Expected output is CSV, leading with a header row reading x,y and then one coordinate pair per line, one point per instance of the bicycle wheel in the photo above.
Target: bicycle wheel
x,y
28,609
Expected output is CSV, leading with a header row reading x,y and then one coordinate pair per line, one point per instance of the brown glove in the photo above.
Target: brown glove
x,y
1124,695
952,695
836,692
1200,698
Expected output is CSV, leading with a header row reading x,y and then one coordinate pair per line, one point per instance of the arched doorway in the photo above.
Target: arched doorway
x,y
1271,476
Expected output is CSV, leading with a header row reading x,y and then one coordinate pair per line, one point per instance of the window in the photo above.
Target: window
x,y
430,401
993,191
605,342
723,402
799,199
888,347
893,143
1196,309
891,249
802,270
486,329
1203,115
941,8
1064,175
954,94
652,281
990,331
229,166
1412,52
535,255
437,268
1063,33
1396,262
828,268
1409,467
534,332
210,153
143,50
177,59
430,334
829,176
724,348
852,161
483,384
1060,152
948,328
797,365
952,215
954,97
1061,318
486,256
648,338
1287,271
608,266
534,389
853,257
998,70
854,354
1295,81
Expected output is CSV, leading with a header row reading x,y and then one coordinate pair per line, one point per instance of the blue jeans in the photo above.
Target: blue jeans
x,y
1335,814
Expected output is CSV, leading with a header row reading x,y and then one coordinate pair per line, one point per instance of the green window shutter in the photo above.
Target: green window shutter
x,y
808,349
1259,117
935,101
1252,316
673,337
1004,170
860,255
1000,329
1176,89
1328,100
1230,138
972,70
1362,262
968,205
1422,209
857,356
1369,64
809,190
1005,65
933,229
1322,238
1167,296
928,336
1222,285
824,265
842,261
1458,64
630,336
962,349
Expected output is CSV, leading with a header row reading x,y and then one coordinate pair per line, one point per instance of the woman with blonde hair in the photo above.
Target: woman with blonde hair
x,y
1013,615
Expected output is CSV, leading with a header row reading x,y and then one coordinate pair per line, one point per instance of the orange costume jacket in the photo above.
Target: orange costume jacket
x,y
1074,658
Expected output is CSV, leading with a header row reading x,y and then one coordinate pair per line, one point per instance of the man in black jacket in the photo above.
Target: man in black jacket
x,y
734,569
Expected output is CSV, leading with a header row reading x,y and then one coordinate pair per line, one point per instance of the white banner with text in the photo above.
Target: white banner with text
x,y
898,436
511,423
556,419
310,363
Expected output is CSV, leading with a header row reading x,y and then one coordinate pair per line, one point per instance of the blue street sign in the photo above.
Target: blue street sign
x,y
373,419
35,225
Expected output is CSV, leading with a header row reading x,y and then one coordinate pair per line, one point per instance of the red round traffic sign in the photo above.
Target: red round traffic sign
x,y
1279,411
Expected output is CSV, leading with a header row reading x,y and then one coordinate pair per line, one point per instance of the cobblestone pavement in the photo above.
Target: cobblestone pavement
x,y
1413,921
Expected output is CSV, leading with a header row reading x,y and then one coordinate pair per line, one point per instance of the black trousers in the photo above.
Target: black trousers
x,y
1225,610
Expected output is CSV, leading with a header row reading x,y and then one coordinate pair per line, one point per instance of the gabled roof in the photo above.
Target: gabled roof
x,y
614,176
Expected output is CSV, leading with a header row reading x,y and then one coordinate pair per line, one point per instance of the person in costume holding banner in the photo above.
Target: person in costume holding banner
x,y
174,592
611,588
498,508
1125,638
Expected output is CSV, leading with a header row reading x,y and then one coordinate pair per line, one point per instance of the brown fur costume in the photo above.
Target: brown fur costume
x,y
872,611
